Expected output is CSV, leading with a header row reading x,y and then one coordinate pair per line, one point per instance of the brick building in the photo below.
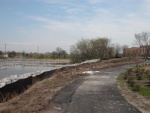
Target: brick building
x,y
134,51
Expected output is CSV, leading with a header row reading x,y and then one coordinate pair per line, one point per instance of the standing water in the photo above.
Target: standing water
x,y
8,68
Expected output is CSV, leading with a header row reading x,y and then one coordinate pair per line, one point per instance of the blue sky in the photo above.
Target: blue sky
x,y
26,24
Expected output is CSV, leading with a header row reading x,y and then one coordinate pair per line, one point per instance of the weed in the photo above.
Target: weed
x,y
58,73
7,96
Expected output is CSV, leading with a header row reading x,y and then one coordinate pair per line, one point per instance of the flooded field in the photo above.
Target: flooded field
x,y
8,68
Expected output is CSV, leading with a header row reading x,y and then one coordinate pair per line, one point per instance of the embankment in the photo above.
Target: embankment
x,y
10,90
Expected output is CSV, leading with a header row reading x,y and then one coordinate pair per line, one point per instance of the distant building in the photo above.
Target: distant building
x,y
134,51
4,56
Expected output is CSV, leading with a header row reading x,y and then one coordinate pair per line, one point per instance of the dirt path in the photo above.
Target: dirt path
x,y
96,93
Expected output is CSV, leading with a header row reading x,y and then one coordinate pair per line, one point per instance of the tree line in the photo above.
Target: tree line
x,y
58,53
97,48
102,48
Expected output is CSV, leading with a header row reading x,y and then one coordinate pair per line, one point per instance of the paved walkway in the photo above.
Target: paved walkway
x,y
96,93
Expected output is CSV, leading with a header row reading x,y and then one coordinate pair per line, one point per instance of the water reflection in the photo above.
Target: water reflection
x,y
8,68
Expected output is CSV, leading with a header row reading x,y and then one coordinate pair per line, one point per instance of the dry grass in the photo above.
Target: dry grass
x,y
5,97
147,67
39,96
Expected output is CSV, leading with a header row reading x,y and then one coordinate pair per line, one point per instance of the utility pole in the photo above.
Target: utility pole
x,y
38,50
5,55
5,48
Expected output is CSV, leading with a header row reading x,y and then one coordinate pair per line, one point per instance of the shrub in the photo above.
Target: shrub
x,y
139,76
129,71
148,76
136,87
131,81
125,76
137,70
142,70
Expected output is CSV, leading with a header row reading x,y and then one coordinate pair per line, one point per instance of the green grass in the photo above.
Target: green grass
x,y
145,91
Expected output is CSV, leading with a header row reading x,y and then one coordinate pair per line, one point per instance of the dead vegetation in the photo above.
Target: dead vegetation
x,y
39,96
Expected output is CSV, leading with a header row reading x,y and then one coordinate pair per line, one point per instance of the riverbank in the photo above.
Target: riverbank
x,y
39,96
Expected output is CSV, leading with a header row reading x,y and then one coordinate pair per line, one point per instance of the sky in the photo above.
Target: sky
x,y
27,24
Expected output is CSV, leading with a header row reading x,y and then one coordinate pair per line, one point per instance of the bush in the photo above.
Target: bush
x,y
136,87
142,70
139,76
148,76
137,70
131,82
129,71
125,76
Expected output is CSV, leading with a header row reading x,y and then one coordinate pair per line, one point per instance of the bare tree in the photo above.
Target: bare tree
x,y
75,55
100,46
124,50
86,49
1,52
58,50
110,52
63,53
117,50
143,41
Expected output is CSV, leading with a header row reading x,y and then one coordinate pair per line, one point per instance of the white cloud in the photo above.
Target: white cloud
x,y
146,8
40,19
104,23
101,22
50,24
